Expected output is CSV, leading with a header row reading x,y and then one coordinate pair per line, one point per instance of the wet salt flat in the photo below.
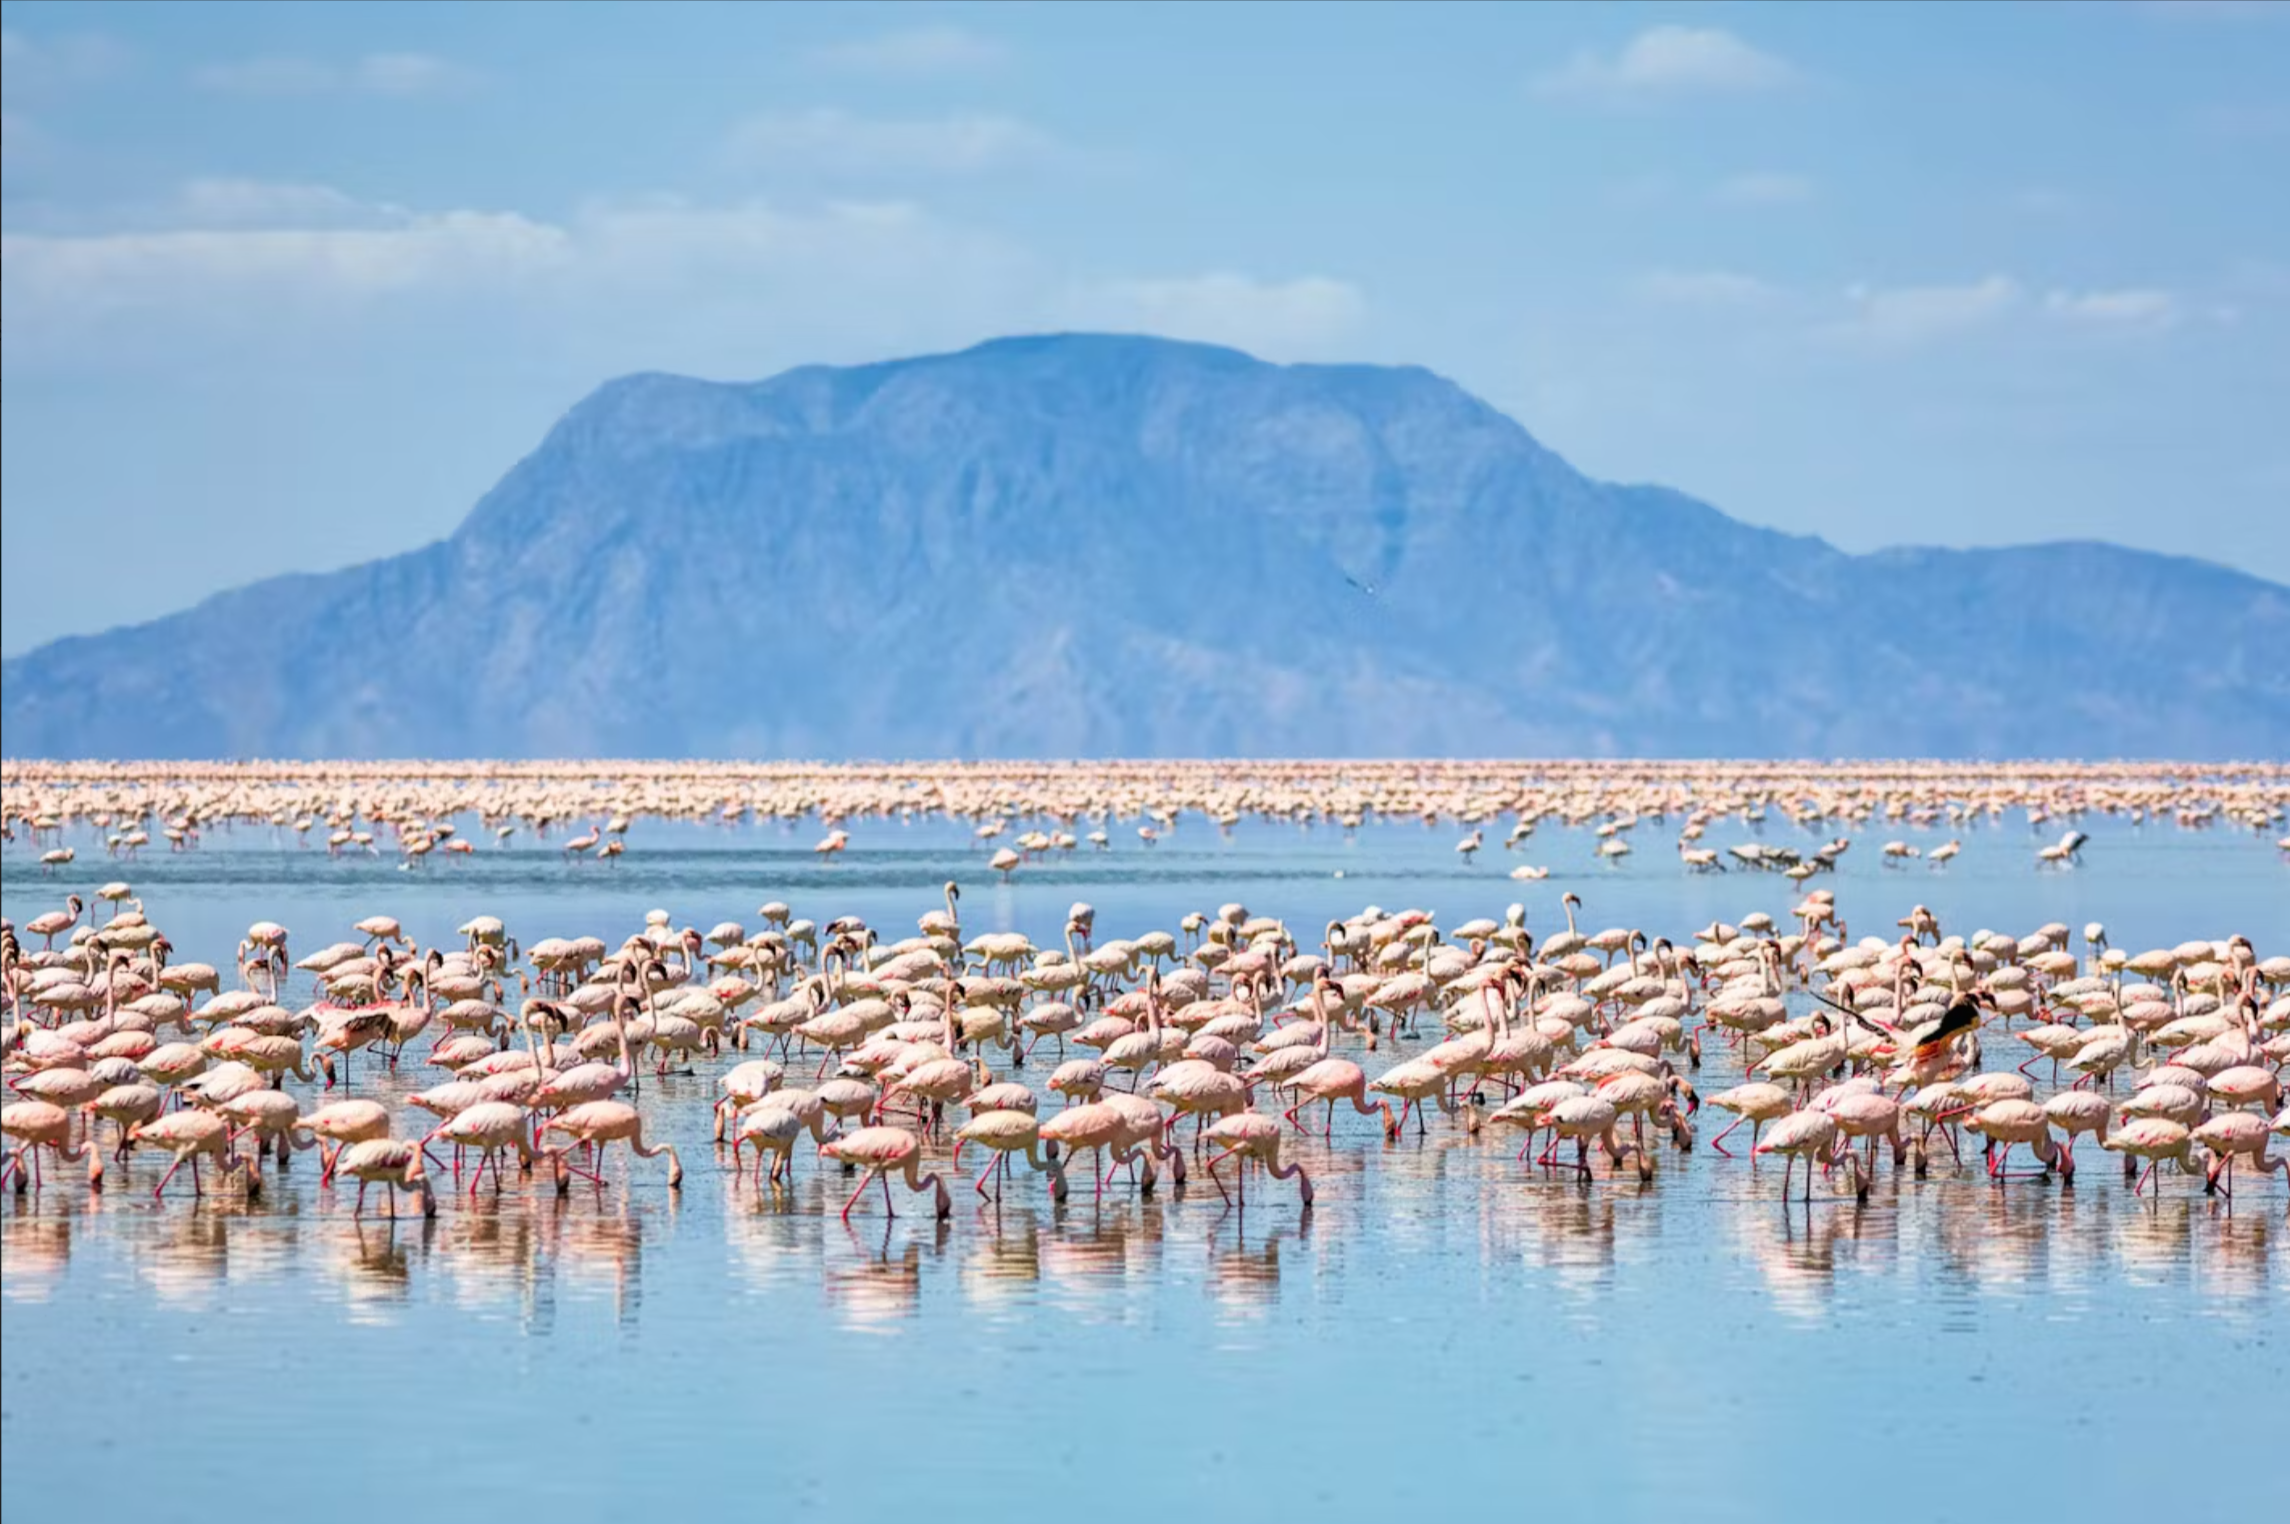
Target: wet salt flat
x,y
1448,1328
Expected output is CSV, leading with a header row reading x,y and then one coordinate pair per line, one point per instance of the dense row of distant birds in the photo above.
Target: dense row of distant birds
x,y
866,1047
1023,814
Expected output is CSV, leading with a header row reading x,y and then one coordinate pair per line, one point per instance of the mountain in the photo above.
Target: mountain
x,y
1086,545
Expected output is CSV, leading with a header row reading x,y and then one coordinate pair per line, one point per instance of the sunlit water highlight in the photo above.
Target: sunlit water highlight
x,y
1448,1330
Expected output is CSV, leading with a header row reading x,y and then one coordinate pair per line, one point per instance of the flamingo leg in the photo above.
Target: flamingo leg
x,y
864,1182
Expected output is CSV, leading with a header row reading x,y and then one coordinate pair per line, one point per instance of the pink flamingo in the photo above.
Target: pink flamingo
x,y
1257,1136
880,1151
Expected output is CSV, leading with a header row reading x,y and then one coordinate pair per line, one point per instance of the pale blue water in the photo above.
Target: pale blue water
x,y
1447,1331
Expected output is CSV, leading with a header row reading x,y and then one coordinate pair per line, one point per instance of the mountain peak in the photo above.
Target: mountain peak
x,y
1105,544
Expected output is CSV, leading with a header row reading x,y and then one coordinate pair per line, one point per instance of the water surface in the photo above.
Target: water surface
x,y
1448,1329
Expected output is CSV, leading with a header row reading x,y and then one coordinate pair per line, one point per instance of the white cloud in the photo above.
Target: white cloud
x,y
405,74
1908,316
60,61
267,76
1664,62
1704,288
388,74
658,281
63,279
1309,315
2131,307
229,203
915,51
830,141
1762,188
2046,201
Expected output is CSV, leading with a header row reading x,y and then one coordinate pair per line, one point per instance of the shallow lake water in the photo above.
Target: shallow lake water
x,y
1448,1329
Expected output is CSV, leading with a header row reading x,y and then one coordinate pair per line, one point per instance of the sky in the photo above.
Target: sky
x,y
287,287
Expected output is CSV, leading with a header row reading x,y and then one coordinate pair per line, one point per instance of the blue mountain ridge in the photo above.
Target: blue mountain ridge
x,y
1094,545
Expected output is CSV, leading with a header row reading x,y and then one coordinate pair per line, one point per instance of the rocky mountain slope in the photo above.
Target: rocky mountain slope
x,y
1094,545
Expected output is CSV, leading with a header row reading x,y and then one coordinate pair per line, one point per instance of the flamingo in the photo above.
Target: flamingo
x,y
1256,1136
1009,1133
1811,1136
774,1124
881,1152
1097,1125
189,1135
2237,1134
342,1123
35,1125
596,1123
395,1162
492,1128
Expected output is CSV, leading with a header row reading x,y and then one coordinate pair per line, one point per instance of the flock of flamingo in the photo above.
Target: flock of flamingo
x,y
414,808
894,1054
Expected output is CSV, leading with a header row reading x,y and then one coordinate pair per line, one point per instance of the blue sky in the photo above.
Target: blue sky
x,y
286,287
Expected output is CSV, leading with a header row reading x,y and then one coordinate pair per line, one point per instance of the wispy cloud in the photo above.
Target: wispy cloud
x,y
1903,317
699,280
239,203
386,74
1311,314
2046,201
832,141
2130,307
914,51
1705,288
1762,188
43,63
71,277
1664,63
